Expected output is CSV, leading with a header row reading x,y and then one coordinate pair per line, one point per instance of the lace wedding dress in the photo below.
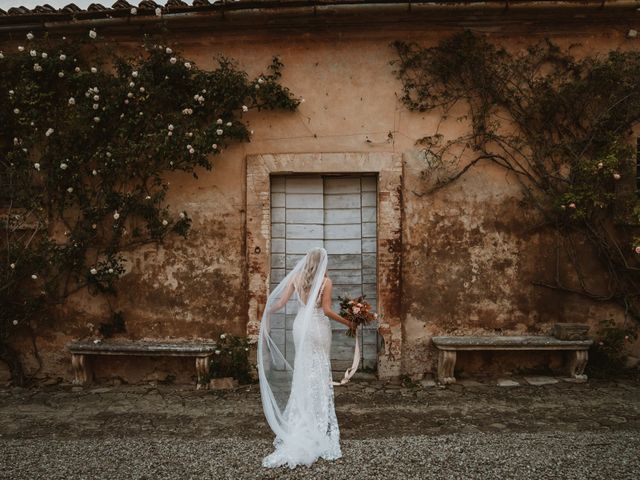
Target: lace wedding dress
x,y
306,428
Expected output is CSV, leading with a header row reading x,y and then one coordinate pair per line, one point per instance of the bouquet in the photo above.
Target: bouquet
x,y
357,310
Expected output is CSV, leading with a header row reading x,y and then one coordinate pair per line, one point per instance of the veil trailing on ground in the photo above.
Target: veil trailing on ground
x,y
284,381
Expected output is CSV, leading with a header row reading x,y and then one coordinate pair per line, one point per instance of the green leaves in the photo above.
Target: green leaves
x,y
87,139
559,124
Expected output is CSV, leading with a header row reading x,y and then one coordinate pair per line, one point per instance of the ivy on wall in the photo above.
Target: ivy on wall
x,y
562,125
87,137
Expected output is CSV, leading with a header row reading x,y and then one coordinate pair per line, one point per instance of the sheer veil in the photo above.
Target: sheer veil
x,y
283,382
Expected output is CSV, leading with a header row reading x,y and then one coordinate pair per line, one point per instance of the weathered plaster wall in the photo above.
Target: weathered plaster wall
x,y
467,259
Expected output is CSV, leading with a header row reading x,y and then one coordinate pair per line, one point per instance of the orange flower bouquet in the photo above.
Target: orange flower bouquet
x,y
357,310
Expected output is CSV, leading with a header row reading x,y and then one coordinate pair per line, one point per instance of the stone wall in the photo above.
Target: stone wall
x,y
467,256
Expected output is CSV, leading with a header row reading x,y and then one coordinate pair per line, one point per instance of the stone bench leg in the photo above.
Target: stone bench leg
x,y
202,369
80,369
446,365
577,364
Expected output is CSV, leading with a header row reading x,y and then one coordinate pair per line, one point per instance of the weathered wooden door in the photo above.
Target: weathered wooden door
x,y
339,214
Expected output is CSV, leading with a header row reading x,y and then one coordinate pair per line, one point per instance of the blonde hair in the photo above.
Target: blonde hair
x,y
304,280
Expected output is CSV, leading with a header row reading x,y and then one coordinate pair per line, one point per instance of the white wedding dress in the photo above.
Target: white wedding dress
x,y
306,428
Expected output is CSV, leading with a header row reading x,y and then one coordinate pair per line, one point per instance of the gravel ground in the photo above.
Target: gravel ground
x,y
472,430
470,456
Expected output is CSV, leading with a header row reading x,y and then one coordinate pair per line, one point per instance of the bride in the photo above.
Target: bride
x,y
297,397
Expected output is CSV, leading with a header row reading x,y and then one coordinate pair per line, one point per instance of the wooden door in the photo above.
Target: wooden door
x,y
337,212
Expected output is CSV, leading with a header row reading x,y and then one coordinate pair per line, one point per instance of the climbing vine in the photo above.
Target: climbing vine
x,y
87,138
562,126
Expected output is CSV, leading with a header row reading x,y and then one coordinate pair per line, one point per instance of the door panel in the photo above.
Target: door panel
x,y
339,214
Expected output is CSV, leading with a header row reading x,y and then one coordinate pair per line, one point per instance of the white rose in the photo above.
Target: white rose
x,y
60,74
34,277
192,151
20,48
130,94
94,173
94,70
219,121
134,74
94,226
158,11
72,101
63,166
189,147
214,146
96,119
217,352
70,189
173,59
169,51
228,124
111,270
616,176
36,166
132,84
165,223
96,106
92,33
11,92
638,250
223,336
15,322
148,197
63,57
13,266
219,131
141,89
33,53
29,36
97,340
245,108
1,55
116,216
77,69
170,127
182,215
48,132
16,110
257,87
187,65
109,154
37,67
134,10
44,55
169,134
93,271
96,98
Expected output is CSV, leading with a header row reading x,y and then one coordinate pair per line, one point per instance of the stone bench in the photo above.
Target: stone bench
x,y
202,351
449,346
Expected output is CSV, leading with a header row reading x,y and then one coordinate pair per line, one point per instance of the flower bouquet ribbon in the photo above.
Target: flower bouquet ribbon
x,y
360,312
354,365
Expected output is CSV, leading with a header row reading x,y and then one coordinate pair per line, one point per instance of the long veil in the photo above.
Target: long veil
x,y
283,382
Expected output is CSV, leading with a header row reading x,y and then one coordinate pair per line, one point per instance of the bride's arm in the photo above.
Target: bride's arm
x,y
283,300
326,306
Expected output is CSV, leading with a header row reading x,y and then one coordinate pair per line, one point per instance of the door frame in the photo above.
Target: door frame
x,y
388,167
